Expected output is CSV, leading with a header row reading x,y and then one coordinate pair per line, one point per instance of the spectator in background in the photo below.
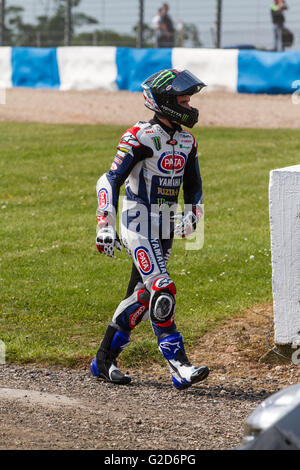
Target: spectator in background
x,y
277,8
156,26
167,30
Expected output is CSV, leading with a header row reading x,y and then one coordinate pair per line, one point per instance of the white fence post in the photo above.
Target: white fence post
x,y
284,206
2,352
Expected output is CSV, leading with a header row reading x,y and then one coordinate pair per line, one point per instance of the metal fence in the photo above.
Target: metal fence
x,y
129,23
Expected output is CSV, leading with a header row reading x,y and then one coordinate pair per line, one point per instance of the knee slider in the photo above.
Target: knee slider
x,y
132,310
143,296
162,302
140,308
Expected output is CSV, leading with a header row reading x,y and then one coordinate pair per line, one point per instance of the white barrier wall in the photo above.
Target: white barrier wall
x,y
87,68
284,200
5,67
216,67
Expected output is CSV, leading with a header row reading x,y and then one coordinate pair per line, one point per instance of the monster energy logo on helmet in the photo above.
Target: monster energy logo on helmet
x,y
163,78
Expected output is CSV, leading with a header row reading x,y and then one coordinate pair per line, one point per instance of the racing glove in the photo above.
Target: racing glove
x,y
186,223
107,238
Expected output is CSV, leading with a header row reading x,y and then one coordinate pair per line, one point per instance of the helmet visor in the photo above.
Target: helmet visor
x,y
186,84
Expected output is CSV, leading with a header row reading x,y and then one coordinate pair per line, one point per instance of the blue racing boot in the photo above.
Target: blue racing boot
x,y
104,365
184,374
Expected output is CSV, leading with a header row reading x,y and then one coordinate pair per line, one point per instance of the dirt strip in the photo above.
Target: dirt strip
x,y
217,108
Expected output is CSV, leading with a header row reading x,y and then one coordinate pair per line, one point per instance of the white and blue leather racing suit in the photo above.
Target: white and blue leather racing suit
x,y
153,161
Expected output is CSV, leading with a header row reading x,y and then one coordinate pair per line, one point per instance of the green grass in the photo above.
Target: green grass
x,y
58,293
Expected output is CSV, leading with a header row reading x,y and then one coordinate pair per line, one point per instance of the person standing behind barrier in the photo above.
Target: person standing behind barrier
x,y
156,26
277,8
167,30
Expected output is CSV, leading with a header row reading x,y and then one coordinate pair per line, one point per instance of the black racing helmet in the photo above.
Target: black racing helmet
x,y
161,91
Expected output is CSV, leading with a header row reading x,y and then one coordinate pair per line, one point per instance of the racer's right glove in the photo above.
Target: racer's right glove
x,y
107,238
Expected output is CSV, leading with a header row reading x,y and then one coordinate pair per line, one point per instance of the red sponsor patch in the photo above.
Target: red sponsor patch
x,y
144,260
167,163
103,199
136,315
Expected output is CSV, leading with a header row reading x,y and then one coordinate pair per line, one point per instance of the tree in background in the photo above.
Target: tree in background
x,y
48,31
108,37
17,33
104,37
191,35
52,28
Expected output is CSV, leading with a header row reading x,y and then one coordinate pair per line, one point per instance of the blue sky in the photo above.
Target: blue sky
x,y
244,22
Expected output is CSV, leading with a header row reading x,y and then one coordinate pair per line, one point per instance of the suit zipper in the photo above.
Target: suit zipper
x,y
173,155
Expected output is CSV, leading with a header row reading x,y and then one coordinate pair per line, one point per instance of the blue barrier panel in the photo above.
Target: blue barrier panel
x,y
34,67
268,72
135,65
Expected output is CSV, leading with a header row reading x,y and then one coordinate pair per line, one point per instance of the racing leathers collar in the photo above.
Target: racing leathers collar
x,y
170,130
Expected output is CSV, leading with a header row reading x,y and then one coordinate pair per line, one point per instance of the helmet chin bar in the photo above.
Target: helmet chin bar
x,y
192,119
188,119
190,122
174,112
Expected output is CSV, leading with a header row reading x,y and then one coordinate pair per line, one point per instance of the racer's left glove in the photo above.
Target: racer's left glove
x,y
186,223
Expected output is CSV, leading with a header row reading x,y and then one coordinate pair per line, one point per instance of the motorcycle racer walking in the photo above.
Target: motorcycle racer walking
x,y
154,159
